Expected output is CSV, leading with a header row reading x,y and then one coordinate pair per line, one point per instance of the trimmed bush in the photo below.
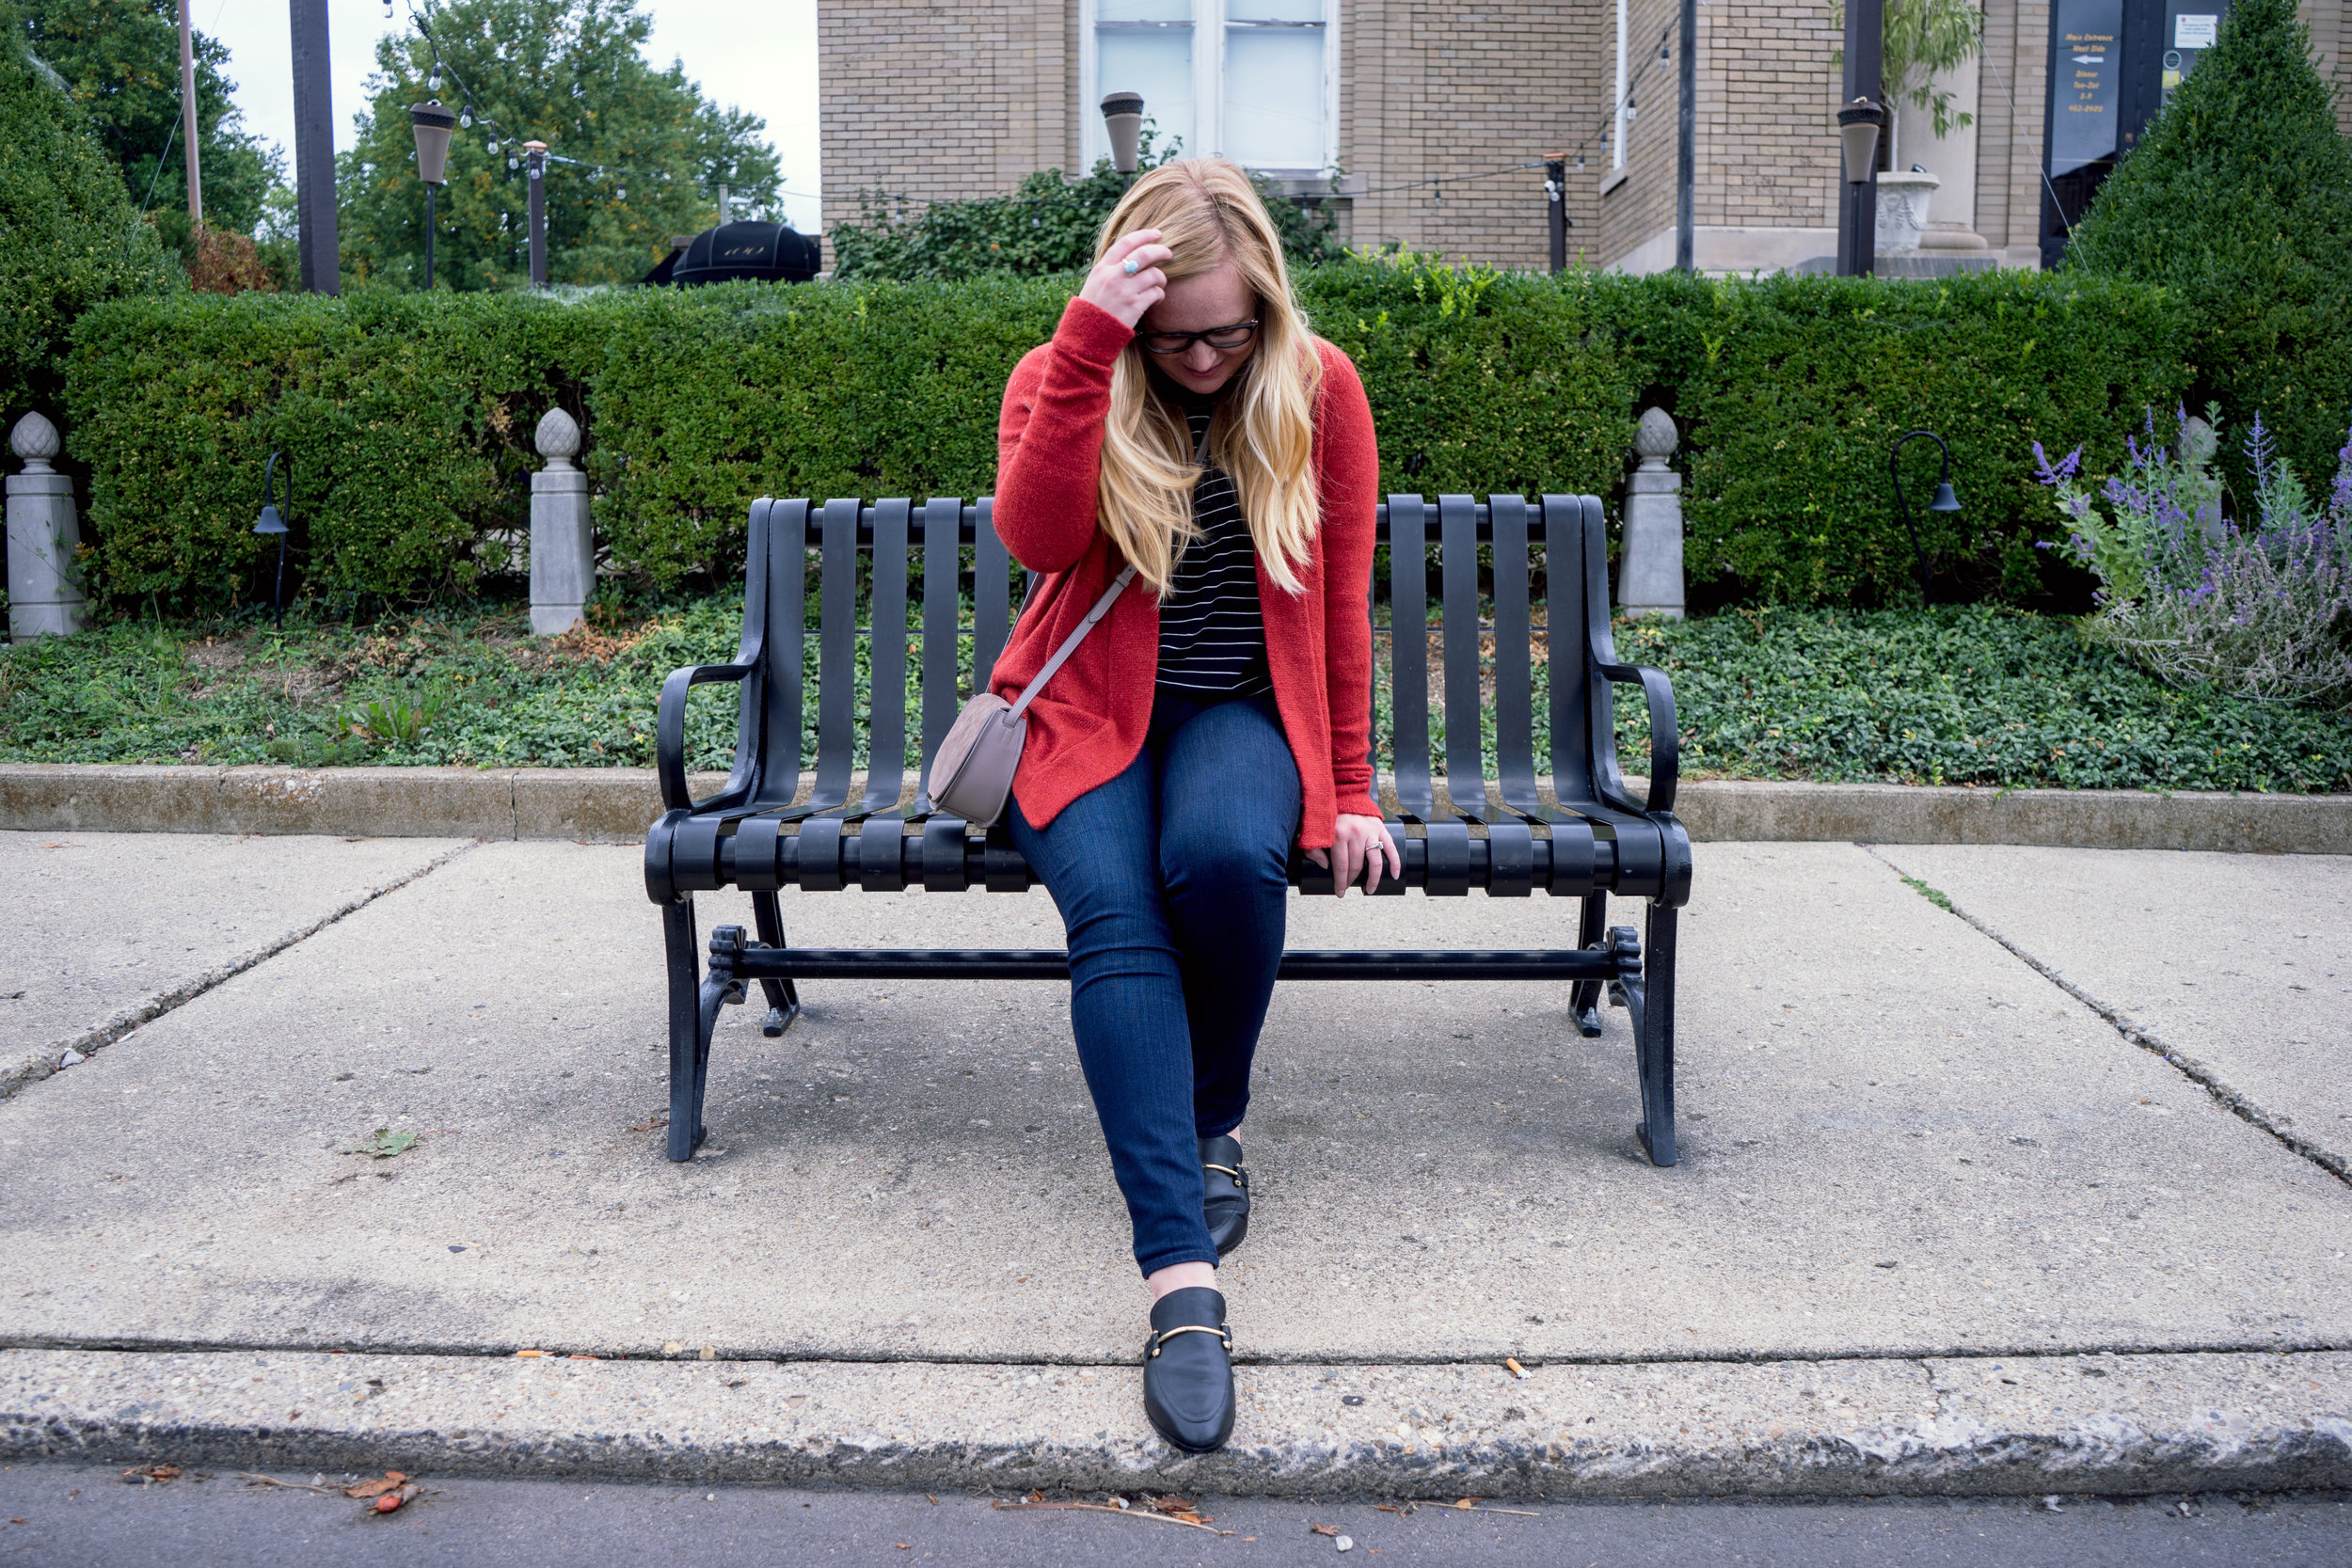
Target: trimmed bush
x,y
410,417
2240,200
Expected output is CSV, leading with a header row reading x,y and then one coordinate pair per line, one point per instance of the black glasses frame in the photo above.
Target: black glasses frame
x,y
1250,329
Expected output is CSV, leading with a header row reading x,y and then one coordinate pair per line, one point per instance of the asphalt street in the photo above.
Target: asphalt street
x,y
70,1517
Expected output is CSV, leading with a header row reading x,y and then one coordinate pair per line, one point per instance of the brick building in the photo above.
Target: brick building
x,y
1438,112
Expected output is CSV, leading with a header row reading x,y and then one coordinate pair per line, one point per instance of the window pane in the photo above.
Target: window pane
x,y
1155,62
1274,95
1143,10
1274,10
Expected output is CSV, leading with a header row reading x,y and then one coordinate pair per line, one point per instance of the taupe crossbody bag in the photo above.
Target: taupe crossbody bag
x,y
972,772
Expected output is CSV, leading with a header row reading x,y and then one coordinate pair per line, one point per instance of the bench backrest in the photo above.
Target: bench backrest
x,y
1549,576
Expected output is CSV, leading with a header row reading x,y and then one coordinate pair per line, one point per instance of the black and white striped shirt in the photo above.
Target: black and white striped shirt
x,y
1211,631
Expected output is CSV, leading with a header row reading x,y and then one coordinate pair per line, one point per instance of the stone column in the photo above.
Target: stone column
x,y
1649,572
44,535
562,543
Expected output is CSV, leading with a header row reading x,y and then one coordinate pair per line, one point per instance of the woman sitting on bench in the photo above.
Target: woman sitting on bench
x,y
1184,422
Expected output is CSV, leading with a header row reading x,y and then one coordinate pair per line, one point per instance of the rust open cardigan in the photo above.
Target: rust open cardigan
x,y
1091,721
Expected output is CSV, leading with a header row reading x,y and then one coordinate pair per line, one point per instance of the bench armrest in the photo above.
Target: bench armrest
x,y
670,729
1665,742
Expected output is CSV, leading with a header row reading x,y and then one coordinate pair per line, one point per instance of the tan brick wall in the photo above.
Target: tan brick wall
x,y
948,97
2008,141
1767,154
1460,91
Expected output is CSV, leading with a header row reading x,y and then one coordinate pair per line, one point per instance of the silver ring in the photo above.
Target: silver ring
x,y
1131,267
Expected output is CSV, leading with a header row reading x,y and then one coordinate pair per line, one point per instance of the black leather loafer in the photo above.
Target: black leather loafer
x,y
1188,1369
1226,1188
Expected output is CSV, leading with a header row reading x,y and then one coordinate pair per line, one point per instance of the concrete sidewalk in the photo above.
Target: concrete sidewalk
x,y
1940,1225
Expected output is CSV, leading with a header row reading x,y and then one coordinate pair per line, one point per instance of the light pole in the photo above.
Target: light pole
x,y
1687,139
1122,117
273,525
432,126
1857,213
1944,501
1556,209
535,161
319,246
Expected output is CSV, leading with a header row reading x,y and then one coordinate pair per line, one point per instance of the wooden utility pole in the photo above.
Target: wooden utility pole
x,y
187,121
319,246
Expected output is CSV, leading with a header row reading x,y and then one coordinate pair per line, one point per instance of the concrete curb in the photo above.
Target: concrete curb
x,y
2019,1426
614,805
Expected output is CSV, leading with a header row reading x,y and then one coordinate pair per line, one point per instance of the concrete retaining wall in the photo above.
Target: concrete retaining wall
x,y
612,805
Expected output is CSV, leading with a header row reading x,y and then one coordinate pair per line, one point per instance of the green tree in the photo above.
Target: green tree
x,y
74,236
636,153
120,61
2240,197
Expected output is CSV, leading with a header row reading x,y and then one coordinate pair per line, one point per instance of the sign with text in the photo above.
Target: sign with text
x,y
2084,72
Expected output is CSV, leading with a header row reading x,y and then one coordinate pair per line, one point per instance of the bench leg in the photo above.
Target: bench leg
x,y
1585,996
784,997
691,1021
1654,1037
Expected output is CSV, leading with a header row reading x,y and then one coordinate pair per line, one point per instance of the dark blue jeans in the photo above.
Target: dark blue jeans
x,y
1171,879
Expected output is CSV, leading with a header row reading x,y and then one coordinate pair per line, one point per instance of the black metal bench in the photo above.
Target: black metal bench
x,y
758,836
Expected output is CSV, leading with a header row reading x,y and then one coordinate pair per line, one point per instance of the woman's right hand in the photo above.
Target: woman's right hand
x,y
1110,288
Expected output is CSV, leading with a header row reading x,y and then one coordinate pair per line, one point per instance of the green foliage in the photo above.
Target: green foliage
x,y
1979,696
1047,226
120,59
1918,42
73,237
409,416
636,153
1964,695
2239,200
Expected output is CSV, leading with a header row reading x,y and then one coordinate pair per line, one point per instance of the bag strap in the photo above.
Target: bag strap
x,y
1070,644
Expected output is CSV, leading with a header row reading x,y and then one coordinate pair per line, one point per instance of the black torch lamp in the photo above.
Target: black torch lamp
x,y
1944,501
273,523
432,126
1122,117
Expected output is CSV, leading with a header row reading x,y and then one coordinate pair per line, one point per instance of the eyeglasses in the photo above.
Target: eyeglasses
x,y
1223,339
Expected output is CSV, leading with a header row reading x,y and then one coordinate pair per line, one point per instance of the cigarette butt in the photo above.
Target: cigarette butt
x,y
1517,1370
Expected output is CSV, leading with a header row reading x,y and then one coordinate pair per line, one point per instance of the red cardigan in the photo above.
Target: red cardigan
x,y
1091,721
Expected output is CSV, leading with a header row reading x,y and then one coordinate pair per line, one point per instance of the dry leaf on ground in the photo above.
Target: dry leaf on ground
x,y
391,1481
1324,1529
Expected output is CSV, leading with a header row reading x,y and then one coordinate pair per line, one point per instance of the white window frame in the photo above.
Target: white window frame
x,y
1616,115
1208,88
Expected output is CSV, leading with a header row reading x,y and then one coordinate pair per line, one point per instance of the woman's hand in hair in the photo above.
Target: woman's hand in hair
x,y
1362,846
1110,288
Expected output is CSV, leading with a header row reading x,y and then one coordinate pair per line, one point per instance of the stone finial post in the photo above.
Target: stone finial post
x,y
1649,573
562,543
44,535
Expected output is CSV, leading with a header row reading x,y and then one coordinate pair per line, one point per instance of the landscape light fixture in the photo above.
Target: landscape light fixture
x,y
1122,116
1858,127
1944,501
274,522
432,126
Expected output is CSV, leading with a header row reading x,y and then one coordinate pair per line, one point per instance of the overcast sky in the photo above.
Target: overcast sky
x,y
760,57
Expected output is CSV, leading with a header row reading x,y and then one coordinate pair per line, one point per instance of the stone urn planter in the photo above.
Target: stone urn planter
x,y
1904,210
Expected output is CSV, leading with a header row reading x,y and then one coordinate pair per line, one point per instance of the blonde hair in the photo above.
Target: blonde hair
x,y
1208,213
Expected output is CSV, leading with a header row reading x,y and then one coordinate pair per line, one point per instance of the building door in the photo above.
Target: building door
x,y
2113,64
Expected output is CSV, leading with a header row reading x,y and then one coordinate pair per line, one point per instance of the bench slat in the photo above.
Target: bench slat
x,y
1465,763
886,700
1515,711
780,560
991,610
943,566
1408,657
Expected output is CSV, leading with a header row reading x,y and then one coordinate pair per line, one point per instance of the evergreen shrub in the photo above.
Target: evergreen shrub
x,y
2239,198
68,235
410,416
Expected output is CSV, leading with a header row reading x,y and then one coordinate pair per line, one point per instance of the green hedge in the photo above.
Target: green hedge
x,y
411,416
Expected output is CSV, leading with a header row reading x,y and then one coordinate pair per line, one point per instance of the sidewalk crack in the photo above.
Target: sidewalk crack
x,y
2196,1071
15,1076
